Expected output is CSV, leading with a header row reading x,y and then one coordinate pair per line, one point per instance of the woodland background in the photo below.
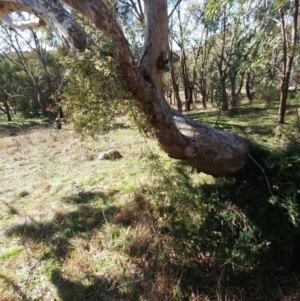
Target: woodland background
x,y
145,227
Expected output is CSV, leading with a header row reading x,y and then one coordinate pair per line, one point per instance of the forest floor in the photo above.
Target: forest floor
x,y
73,227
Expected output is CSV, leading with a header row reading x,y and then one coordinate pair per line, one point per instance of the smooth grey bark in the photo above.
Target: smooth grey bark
x,y
51,13
206,149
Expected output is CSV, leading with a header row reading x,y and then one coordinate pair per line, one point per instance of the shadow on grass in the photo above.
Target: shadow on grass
x,y
121,125
83,222
84,197
235,113
246,114
57,233
237,234
253,215
249,131
16,288
101,288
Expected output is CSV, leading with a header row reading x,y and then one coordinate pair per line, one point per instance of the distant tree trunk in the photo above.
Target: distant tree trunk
x,y
6,110
177,96
57,124
224,97
233,91
175,84
241,84
201,71
222,66
188,89
60,113
249,88
204,92
169,95
287,59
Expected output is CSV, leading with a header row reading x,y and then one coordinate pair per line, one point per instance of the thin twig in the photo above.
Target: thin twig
x,y
178,2
263,173
33,267
127,283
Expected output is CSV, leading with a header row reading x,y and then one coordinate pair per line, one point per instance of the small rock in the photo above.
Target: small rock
x,y
111,154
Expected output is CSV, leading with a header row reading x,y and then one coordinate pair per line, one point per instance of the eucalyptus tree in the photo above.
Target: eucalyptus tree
x,y
206,149
222,32
229,29
188,85
203,61
174,58
5,89
183,33
262,51
16,92
271,49
33,60
175,78
51,75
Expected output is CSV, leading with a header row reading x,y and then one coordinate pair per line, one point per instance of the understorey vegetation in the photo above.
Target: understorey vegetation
x,y
149,150
145,227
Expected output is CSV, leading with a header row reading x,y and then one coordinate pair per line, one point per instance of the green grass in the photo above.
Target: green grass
x,y
144,227
18,123
10,254
255,122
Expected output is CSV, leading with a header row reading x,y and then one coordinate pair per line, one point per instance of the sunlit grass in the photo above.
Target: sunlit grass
x,y
77,228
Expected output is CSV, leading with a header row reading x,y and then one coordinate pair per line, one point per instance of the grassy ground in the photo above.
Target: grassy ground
x,y
76,228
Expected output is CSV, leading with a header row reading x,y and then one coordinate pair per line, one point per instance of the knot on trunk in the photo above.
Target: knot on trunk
x,y
162,60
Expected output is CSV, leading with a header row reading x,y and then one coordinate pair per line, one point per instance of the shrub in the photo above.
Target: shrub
x,y
267,93
242,223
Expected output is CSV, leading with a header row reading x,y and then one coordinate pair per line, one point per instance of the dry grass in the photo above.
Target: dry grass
x,y
65,232
75,228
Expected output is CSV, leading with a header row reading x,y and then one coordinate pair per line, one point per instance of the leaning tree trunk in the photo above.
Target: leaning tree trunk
x,y
208,150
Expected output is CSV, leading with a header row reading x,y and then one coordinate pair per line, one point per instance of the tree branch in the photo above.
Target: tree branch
x,y
54,15
24,25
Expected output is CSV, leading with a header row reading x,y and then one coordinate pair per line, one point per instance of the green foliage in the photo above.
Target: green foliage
x,y
289,134
10,254
95,93
239,222
267,93
32,80
27,107
138,120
